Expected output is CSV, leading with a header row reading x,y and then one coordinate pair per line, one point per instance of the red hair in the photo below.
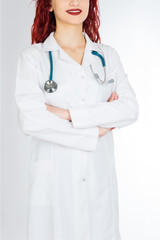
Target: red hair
x,y
45,23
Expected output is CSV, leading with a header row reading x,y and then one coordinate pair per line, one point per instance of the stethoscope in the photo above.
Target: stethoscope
x,y
51,86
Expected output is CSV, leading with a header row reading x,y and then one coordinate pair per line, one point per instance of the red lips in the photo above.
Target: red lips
x,y
76,11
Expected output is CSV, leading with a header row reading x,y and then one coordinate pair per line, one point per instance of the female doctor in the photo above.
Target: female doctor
x,y
71,92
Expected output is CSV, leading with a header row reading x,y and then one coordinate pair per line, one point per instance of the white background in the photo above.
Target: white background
x,y
133,29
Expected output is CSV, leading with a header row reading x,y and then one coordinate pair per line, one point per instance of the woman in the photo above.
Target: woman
x,y
73,185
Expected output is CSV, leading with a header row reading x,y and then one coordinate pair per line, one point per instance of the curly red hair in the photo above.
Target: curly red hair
x,y
45,23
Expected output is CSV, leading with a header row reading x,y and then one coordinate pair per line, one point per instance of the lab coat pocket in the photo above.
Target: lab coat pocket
x,y
41,183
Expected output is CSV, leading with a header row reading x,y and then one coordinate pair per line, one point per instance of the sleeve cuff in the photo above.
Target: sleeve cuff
x,y
79,116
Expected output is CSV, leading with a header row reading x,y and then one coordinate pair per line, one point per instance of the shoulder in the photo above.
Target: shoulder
x,y
111,54
109,50
32,52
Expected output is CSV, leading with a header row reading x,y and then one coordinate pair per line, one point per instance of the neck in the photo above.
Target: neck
x,y
70,37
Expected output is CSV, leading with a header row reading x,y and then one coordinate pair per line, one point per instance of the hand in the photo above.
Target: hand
x,y
102,130
60,112
114,96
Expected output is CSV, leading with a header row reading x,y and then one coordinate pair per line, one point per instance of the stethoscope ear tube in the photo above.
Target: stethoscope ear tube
x,y
100,56
104,66
51,65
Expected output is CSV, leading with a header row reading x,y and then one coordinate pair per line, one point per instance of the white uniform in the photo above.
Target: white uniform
x,y
73,185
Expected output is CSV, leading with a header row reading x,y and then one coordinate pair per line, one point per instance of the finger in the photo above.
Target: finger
x,y
114,95
111,97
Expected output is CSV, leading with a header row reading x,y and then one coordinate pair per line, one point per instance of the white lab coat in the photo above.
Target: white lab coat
x,y
73,185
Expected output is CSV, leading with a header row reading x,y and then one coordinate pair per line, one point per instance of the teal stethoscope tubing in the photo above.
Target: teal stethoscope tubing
x,y
51,65
51,86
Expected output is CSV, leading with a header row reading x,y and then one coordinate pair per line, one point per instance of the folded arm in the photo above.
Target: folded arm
x,y
34,118
118,113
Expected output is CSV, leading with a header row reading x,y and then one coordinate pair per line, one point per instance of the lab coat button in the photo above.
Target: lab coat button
x,y
83,99
83,179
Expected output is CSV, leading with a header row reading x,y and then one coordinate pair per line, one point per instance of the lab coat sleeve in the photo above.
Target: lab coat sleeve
x,y
35,120
118,113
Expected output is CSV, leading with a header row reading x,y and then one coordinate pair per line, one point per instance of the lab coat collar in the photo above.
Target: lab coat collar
x,y
50,44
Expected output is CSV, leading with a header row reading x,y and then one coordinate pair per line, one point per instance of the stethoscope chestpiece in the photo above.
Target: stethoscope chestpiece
x,y
50,86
